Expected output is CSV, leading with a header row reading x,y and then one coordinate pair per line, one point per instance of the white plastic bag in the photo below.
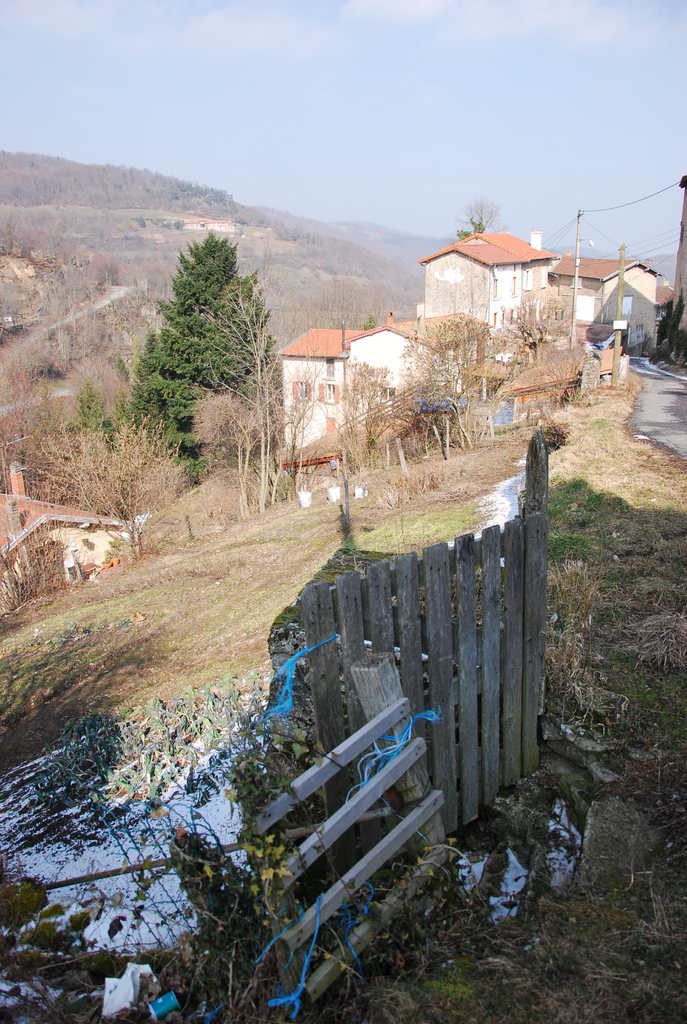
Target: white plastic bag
x,y
122,993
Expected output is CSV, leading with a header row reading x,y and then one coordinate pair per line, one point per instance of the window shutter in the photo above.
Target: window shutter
x,y
322,393
337,391
308,391
294,386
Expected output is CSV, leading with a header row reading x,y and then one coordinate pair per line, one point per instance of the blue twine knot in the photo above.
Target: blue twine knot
x,y
284,703
379,757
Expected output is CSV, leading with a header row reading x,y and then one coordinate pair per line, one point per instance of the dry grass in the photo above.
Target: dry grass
x,y
662,640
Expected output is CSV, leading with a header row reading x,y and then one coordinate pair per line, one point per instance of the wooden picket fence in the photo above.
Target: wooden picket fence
x,y
465,624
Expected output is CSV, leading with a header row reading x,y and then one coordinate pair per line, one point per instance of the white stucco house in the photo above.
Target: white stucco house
x,y
317,365
488,275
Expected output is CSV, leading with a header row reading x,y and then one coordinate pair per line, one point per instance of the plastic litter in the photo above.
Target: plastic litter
x,y
163,1005
123,993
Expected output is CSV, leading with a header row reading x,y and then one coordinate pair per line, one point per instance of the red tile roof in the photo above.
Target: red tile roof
x,y
493,248
325,342
32,511
597,269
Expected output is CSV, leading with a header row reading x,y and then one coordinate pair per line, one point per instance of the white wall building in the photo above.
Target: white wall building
x,y
487,275
317,365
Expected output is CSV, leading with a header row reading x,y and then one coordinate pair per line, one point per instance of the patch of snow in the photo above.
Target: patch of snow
x,y
565,843
645,368
513,882
55,844
470,871
501,504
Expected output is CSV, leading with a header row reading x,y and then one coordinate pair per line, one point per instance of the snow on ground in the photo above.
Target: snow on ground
x,y
646,368
514,880
51,844
501,504
565,846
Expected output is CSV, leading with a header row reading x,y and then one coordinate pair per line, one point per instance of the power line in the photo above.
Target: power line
x,y
552,238
603,234
633,202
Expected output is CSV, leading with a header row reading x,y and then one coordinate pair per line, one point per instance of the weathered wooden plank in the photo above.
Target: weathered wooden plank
x,y
364,933
319,774
332,899
536,475
378,684
467,677
513,596
317,616
536,536
491,661
381,614
351,627
347,815
440,671
410,633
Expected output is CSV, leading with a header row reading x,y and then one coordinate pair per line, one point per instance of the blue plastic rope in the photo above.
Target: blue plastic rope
x,y
294,998
284,704
350,921
276,938
379,757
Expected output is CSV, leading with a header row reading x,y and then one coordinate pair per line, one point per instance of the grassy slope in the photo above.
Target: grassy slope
x,y
201,608
620,506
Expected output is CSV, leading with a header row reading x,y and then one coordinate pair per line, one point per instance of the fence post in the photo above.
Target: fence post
x,y
535,579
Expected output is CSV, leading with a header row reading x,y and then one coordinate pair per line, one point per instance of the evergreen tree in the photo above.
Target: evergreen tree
x,y
194,350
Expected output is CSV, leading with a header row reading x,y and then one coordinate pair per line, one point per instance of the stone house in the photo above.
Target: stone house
x,y
317,365
85,537
597,295
488,275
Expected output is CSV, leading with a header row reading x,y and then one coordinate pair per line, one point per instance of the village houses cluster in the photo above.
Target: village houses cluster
x,y
493,277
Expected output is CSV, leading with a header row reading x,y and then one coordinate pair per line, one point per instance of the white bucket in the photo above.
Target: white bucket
x,y
334,493
305,499
359,491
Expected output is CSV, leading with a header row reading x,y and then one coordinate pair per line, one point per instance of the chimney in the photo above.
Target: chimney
x,y
536,237
17,484
345,344
13,518
389,319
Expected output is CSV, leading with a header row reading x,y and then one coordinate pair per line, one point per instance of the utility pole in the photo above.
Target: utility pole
x,y
619,316
576,279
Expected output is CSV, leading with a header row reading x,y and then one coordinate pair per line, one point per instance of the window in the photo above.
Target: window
x,y
495,318
302,389
515,286
330,396
331,371
389,393
496,287
528,281
544,277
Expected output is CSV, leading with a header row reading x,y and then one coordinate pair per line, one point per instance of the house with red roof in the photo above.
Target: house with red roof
x,y
317,365
597,295
84,536
487,275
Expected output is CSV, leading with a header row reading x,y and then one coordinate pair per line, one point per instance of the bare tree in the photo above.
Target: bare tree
x,y
367,412
33,568
125,477
448,374
253,409
479,215
539,323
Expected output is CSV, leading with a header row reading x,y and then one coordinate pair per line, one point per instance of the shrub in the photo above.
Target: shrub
x,y
555,434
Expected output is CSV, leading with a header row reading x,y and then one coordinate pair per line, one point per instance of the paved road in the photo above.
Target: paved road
x,y
661,410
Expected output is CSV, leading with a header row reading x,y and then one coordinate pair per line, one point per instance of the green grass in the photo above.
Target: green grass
x,y
412,531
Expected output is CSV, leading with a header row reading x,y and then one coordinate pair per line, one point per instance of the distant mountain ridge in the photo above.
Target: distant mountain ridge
x,y
31,179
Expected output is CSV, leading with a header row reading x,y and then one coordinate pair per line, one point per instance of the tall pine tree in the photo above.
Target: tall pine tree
x,y
193,351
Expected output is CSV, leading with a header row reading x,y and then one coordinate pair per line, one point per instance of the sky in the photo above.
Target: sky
x,y
397,112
